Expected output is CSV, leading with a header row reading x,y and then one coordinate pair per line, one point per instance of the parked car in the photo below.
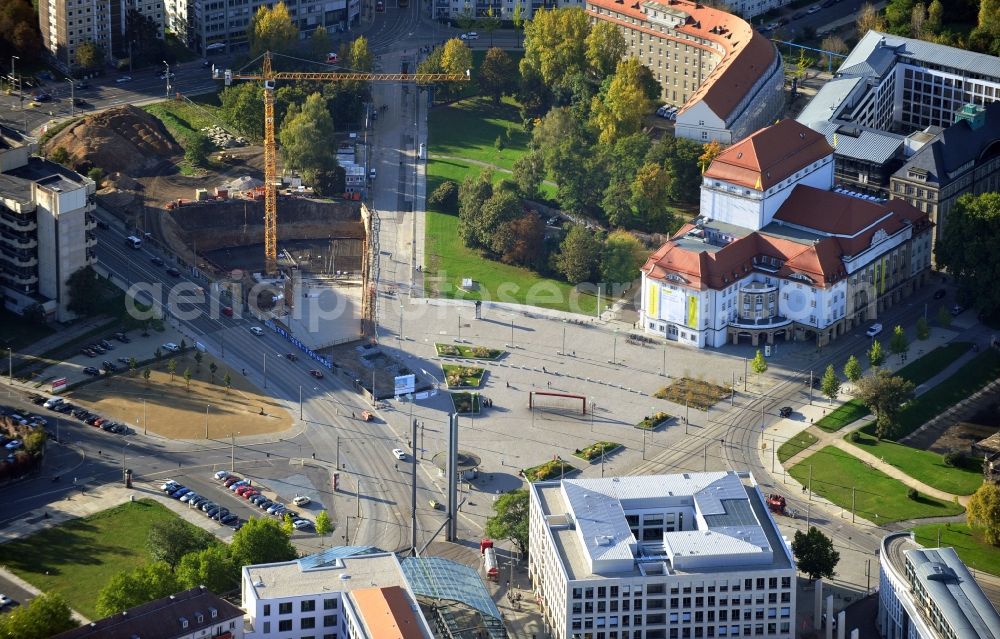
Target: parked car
x,y
471,35
264,505
13,444
957,310
90,370
106,344
170,346
97,348
292,357
230,519
274,507
301,500
5,601
874,330
52,402
186,497
222,475
230,480
86,351
785,411
301,524
813,9
121,337
238,484
256,330
64,408
212,512
123,79
207,506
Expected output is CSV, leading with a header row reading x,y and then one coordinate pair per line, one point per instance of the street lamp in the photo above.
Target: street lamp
x,y
167,77
13,58
232,451
123,457
207,406
72,97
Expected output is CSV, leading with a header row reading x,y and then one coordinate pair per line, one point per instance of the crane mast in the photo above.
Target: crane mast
x,y
269,76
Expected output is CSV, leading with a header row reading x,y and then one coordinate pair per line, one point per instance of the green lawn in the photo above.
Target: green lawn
x,y
183,120
978,372
879,498
552,469
78,557
469,129
967,542
468,351
918,372
925,465
462,376
796,444
845,414
595,450
19,332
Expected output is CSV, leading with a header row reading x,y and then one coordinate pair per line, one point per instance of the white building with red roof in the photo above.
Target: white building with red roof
x,y
726,78
778,253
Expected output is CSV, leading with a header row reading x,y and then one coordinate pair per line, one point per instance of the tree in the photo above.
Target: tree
x,y
361,56
923,330
171,367
19,33
529,172
803,64
869,20
287,524
935,17
97,175
830,384
618,111
34,441
525,244
497,74
989,20
898,343
502,208
852,369
474,192
211,567
621,258
456,57
555,44
87,295
305,138
89,55
966,248
649,196
710,151
445,197
44,616
171,539
228,381
943,317
261,541
133,588
197,359
758,364
243,108
518,20
323,524
897,16
196,149
884,394
918,19
833,44
983,511
578,255
510,520
489,23
132,365
59,155
606,47
145,375
814,553
212,368
680,158
319,43
272,30
875,354
187,377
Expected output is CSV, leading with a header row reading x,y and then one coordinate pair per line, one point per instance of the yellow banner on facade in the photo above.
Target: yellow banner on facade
x,y
692,311
653,300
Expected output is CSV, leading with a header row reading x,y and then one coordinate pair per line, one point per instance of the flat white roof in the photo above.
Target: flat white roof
x,y
291,579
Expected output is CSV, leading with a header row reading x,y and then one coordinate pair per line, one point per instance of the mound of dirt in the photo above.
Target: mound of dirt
x,y
125,139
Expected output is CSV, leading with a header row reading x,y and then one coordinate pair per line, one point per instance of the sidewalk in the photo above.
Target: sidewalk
x,y
63,335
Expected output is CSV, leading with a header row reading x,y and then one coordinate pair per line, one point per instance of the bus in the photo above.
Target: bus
x,y
133,241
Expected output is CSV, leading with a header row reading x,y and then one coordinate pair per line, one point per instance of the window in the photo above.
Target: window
x,y
329,604
285,608
308,606
267,627
284,625
308,623
267,609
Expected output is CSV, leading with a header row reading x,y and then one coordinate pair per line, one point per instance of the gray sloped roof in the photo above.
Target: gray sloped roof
x,y
926,52
954,147
948,583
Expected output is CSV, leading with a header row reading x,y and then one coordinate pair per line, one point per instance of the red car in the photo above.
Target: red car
x,y
250,493
315,373
232,479
242,490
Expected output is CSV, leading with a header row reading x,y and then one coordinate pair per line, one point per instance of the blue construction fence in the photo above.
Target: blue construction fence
x,y
325,361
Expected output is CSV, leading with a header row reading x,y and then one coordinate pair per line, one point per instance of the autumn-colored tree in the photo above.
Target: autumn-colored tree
x,y
456,57
555,44
618,112
272,30
869,19
606,47
984,512
527,247
710,151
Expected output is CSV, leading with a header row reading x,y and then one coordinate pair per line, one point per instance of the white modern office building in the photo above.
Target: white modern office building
x,y
928,593
220,26
660,557
46,228
778,252
888,88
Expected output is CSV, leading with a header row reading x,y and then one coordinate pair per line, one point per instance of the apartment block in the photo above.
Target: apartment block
x,y
66,24
928,593
680,556
220,26
46,228
726,77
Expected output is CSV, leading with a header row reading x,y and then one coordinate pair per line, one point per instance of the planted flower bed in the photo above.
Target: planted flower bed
x,y
594,451
654,421
552,469
467,351
463,376
466,402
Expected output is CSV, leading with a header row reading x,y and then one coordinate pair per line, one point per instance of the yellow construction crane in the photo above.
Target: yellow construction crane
x,y
269,77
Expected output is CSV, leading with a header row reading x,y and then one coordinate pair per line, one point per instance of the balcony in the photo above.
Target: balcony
x,y
91,240
18,222
18,259
22,243
775,321
90,223
18,279
91,258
